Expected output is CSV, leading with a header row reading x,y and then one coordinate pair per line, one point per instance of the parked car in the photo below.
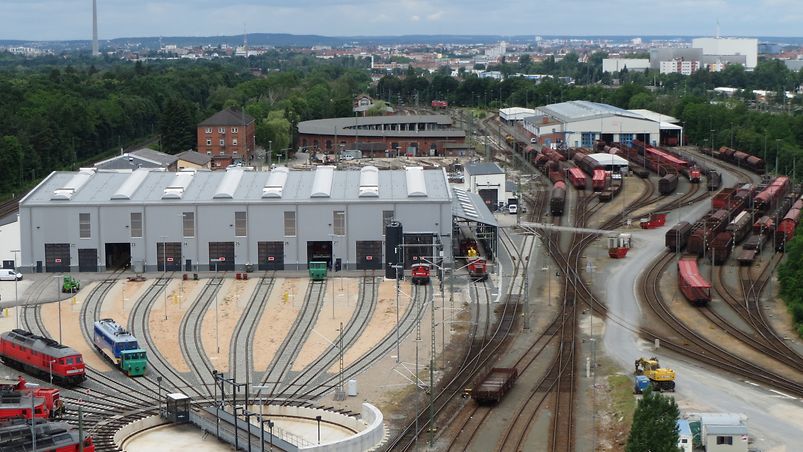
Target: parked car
x,y
513,209
10,275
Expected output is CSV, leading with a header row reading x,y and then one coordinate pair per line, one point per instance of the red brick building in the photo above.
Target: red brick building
x,y
227,137
380,136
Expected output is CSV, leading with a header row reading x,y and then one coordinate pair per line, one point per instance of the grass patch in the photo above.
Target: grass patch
x,y
622,401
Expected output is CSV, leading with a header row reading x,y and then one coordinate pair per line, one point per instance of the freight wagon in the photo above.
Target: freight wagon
x,y
721,246
577,178
668,184
585,163
598,180
755,242
677,236
557,199
763,225
494,385
747,257
740,226
786,227
768,199
691,284
713,180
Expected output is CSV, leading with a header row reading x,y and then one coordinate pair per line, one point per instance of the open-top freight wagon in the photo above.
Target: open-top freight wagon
x,y
494,385
691,284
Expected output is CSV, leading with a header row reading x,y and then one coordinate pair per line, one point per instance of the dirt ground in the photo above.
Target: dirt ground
x,y
231,301
165,332
343,292
381,323
284,303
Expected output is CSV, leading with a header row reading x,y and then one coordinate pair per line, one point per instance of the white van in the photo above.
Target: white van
x,y
9,275
513,209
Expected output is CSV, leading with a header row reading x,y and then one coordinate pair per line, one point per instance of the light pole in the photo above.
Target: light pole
x,y
58,299
16,296
270,153
318,418
159,381
775,167
50,368
712,143
677,232
217,329
164,269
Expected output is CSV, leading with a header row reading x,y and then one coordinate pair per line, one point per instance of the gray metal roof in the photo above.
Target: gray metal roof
x,y
228,117
40,344
141,158
194,157
345,185
482,169
441,126
469,206
581,110
726,429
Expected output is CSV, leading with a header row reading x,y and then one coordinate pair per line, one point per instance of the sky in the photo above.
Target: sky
x,y
72,19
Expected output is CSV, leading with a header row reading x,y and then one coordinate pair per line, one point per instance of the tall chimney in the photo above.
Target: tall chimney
x,y
95,50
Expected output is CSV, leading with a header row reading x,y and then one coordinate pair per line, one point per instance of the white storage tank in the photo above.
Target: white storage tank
x,y
352,388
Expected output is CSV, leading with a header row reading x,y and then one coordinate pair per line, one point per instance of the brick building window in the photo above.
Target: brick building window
x,y
221,130
208,130
234,142
222,142
234,130
209,142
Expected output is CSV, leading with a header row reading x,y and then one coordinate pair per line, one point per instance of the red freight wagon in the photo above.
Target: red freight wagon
x,y
598,180
787,226
693,286
723,199
577,178
768,198
763,225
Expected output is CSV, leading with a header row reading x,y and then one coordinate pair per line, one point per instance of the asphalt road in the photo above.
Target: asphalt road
x,y
774,419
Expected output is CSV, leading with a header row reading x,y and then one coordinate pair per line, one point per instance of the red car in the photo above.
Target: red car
x,y
42,356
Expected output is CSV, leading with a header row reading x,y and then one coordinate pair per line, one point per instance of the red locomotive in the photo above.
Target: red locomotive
x,y
477,266
50,436
15,401
42,356
420,274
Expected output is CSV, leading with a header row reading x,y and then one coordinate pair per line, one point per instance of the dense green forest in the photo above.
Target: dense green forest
x,y
59,115
790,275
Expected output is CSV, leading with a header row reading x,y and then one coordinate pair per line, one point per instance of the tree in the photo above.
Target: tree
x,y
273,132
177,127
654,424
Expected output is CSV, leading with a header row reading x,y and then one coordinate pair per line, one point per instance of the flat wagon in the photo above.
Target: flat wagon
x,y
494,385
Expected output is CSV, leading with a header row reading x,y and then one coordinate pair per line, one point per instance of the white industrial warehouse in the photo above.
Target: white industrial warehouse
x,y
580,123
95,220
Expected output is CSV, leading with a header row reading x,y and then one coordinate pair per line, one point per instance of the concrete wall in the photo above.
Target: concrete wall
x,y
129,430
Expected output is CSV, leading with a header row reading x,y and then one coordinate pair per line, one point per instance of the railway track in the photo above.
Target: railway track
x,y
191,336
473,362
291,346
316,370
241,347
687,342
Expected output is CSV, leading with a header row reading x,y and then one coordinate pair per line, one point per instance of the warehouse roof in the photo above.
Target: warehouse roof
x,y
609,159
439,126
206,187
194,157
581,110
470,206
141,158
483,169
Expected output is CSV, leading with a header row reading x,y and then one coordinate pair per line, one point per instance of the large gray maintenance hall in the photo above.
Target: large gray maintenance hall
x,y
153,220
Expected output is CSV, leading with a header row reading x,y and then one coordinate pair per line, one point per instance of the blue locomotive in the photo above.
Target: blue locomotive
x,y
120,347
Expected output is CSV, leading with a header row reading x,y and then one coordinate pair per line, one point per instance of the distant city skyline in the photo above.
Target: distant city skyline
x,y
72,19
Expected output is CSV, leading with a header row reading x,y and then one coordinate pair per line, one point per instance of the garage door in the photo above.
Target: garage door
x,y
417,254
170,252
490,197
57,257
271,255
369,255
88,260
224,251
